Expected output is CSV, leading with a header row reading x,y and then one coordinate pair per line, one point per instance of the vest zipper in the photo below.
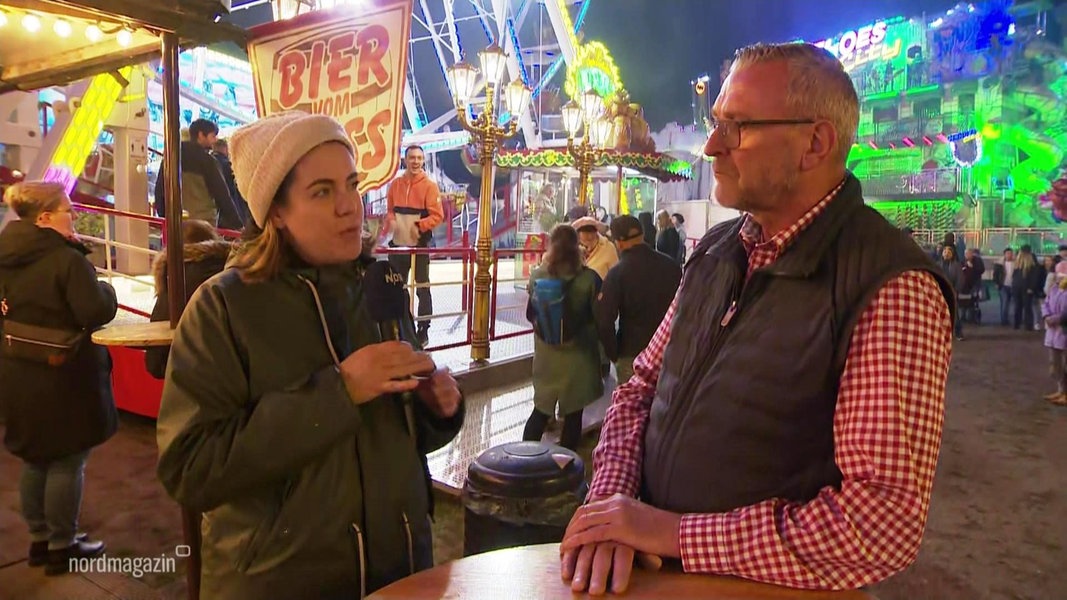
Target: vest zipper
x,y
411,549
690,388
362,561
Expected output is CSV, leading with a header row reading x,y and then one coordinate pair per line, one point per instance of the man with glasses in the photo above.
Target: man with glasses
x,y
784,422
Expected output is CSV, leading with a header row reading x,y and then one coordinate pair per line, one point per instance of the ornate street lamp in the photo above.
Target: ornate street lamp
x,y
487,131
587,113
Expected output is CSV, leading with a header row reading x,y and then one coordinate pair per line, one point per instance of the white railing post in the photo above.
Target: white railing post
x,y
107,249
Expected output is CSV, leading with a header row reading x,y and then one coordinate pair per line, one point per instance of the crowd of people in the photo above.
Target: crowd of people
x,y
596,298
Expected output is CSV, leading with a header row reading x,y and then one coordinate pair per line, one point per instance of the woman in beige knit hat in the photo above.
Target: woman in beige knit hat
x,y
281,417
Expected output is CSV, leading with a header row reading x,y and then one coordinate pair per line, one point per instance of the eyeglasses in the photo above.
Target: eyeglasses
x,y
731,129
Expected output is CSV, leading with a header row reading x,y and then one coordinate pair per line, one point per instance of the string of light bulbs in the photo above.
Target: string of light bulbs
x,y
33,23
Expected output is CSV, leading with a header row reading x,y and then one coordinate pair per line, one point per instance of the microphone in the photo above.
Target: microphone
x,y
387,303
383,288
386,299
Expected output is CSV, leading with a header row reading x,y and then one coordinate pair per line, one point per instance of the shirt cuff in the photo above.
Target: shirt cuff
x,y
606,489
702,541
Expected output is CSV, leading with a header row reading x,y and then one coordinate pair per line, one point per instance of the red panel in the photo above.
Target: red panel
x,y
135,390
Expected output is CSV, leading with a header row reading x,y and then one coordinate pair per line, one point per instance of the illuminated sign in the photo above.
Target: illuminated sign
x,y
855,42
346,64
593,69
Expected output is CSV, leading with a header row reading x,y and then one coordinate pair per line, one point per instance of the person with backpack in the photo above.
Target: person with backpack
x,y
566,363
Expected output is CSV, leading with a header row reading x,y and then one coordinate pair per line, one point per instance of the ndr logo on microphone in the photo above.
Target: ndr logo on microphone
x,y
394,278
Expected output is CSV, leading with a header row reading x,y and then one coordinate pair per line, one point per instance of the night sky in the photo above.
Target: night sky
x,y
661,45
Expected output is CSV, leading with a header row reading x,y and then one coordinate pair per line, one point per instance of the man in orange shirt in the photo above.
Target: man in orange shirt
x,y
413,210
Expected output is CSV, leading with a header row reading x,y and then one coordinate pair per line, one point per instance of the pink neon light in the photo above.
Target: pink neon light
x,y
892,145
872,144
61,175
928,141
907,142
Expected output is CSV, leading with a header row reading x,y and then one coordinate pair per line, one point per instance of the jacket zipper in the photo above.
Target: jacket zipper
x,y
362,561
411,548
10,338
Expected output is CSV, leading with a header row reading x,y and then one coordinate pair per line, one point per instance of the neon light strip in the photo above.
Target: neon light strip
x,y
567,23
484,21
518,53
547,76
573,28
581,15
84,129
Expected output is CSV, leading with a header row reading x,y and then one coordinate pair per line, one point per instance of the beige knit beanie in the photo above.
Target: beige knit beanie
x,y
264,151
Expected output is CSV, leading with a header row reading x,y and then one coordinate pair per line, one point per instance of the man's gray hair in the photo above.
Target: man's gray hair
x,y
819,87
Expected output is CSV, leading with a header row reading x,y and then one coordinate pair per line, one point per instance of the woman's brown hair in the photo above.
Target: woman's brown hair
x,y
262,252
563,256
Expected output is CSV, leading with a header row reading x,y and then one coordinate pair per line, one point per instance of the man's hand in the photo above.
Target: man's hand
x,y
590,565
624,520
440,393
383,368
415,232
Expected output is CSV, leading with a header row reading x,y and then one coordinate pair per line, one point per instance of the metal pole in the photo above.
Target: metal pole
x,y
172,187
484,248
172,192
583,181
618,198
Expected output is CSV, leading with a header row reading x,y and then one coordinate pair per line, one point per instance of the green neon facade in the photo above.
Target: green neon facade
x,y
963,117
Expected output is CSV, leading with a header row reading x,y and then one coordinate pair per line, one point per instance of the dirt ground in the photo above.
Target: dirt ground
x,y
997,525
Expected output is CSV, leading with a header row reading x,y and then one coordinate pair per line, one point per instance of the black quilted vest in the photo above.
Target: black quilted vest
x,y
744,407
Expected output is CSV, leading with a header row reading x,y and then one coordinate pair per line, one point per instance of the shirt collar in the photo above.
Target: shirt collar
x,y
751,232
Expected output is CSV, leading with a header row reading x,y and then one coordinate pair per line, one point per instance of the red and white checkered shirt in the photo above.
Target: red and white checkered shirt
x,y
887,434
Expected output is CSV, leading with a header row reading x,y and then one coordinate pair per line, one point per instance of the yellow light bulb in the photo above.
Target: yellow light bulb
x,y
31,23
124,37
62,28
93,33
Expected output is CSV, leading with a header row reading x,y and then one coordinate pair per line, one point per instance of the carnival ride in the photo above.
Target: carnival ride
x,y
959,113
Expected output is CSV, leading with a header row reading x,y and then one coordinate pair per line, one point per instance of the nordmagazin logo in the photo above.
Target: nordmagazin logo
x,y
134,566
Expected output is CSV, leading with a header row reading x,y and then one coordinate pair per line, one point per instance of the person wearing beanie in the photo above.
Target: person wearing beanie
x,y
597,251
283,418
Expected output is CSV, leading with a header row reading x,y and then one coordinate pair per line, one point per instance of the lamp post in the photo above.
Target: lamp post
x,y
587,114
487,130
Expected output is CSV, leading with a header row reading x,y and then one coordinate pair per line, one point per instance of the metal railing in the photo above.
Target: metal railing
x,y
110,244
993,241
467,259
464,284
933,182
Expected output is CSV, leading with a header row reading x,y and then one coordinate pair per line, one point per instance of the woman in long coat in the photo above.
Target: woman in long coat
x,y
53,415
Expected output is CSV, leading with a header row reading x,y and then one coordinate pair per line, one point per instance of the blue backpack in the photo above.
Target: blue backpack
x,y
547,310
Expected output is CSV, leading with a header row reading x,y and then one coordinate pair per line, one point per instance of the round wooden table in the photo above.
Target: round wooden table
x,y
136,335
533,572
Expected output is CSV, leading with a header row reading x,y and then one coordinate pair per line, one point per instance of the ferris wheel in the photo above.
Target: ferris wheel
x,y
540,38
